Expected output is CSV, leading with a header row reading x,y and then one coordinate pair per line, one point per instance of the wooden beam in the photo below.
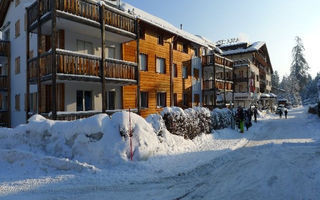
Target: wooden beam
x,y
103,46
138,67
53,61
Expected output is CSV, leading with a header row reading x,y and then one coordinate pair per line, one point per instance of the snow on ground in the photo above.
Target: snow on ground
x,y
275,159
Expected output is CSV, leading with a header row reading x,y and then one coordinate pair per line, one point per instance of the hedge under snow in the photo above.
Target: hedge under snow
x,y
103,139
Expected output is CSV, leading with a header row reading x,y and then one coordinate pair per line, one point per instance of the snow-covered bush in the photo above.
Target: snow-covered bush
x,y
221,118
188,123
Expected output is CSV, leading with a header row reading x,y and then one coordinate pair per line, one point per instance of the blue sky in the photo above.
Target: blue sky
x,y
276,22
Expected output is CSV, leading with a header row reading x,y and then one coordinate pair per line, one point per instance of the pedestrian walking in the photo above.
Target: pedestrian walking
x,y
255,113
286,113
240,116
280,113
248,119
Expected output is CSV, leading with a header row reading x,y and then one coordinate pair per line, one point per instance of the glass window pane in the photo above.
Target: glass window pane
x,y
79,100
88,100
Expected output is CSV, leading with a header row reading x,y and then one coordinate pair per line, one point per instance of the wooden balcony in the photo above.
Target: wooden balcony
x,y
4,48
215,59
4,82
75,66
209,85
79,10
241,79
4,118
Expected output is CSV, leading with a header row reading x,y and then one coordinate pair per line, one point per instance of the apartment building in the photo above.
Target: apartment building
x,y
74,59
252,72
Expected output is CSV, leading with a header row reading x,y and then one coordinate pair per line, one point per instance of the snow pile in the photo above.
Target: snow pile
x,y
188,123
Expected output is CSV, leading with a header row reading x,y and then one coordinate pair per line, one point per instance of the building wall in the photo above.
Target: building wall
x,y
153,82
18,49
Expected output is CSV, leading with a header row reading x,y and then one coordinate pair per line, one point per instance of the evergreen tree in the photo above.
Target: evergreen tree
x,y
299,66
275,79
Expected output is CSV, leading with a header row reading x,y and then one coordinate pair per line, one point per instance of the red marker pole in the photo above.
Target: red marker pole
x,y
130,135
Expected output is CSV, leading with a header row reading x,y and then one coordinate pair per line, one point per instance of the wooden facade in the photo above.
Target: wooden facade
x,y
153,82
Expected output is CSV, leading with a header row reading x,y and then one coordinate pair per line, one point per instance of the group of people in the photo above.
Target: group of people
x,y
244,117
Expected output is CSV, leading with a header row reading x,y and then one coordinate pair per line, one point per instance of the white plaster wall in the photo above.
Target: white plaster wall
x,y
18,48
71,43
71,94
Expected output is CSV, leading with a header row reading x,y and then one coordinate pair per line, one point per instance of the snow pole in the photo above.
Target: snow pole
x,y
130,136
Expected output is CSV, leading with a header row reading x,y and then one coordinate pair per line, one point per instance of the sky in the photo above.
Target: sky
x,y
276,22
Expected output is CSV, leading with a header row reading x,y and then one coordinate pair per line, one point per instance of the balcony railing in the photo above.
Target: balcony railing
x,y
4,82
86,9
72,63
242,62
209,85
4,48
4,118
215,59
241,79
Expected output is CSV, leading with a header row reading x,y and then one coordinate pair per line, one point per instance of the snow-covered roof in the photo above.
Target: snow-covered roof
x,y
252,47
156,21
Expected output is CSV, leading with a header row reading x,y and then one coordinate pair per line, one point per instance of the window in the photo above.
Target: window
x,y
175,70
196,73
17,102
160,39
185,48
142,34
161,67
185,99
184,72
161,99
196,52
111,51
17,2
84,100
84,47
257,77
175,99
144,99
143,62
33,102
112,100
17,65
17,29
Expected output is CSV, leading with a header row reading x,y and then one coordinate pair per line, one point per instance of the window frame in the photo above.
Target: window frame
x,y
17,64
159,98
17,28
164,67
142,93
175,70
184,72
146,62
160,40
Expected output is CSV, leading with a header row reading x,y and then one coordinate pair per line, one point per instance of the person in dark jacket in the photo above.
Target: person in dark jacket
x,y
248,119
255,114
286,113
240,116
280,113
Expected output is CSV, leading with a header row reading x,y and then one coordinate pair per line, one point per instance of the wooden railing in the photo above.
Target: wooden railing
x,y
4,48
209,85
86,9
4,82
241,79
214,59
82,64
4,118
120,69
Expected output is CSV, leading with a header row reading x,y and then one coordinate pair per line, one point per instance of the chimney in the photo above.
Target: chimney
x,y
181,26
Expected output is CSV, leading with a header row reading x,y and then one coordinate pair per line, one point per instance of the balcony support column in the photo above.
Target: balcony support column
x,y
28,69
214,82
53,62
138,66
103,46
39,36
224,84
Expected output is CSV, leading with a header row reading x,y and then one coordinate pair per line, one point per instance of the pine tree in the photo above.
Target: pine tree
x,y
275,79
299,66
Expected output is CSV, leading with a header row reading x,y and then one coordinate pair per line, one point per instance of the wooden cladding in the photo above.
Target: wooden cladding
x,y
86,9
85,65
4,48
209,85
4,82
